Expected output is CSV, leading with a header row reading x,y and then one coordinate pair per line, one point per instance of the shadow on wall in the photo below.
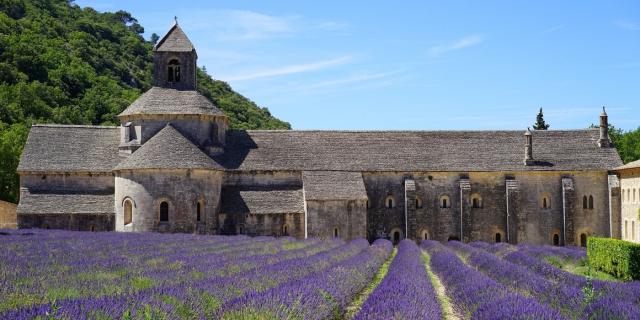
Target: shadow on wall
x,y
8,217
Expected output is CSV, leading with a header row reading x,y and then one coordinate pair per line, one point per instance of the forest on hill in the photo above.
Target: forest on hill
x,y
60,63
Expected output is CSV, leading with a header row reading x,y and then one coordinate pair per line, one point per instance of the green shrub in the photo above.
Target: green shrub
x,y
616,257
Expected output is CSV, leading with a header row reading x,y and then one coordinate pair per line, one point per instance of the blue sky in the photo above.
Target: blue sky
x,y
422,65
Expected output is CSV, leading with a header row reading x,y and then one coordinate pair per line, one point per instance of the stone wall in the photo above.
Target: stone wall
x,y
8,218
630,188
337,218
77,182
74,222
181,189
529,220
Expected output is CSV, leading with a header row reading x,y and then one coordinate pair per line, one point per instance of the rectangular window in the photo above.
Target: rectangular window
x,y
633,230
626,229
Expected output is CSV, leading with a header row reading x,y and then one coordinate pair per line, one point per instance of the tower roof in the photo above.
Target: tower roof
x,y
168,149
174,41
171,101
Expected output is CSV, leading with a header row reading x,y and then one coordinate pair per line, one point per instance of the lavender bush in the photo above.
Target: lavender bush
x,y
406,291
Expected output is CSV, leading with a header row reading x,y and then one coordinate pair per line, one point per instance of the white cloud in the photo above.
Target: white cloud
x,y
237,24
290,69
466,42
352,79
628,25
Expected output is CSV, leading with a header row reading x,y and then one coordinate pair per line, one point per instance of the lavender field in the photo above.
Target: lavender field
x,y
46,274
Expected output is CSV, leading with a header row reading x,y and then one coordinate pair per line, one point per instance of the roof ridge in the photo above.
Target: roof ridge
x,y
408,131
53,125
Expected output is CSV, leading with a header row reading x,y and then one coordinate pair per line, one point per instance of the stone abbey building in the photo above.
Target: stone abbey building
x,y
173,165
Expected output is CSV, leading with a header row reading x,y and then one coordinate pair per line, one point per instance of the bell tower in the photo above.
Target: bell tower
x,y
174,61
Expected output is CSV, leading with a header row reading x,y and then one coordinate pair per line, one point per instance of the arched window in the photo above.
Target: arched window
x,y
622,198
418,203
556,239
583,240
335,232
396,237
498,237
164,211
173,71
634,195
285,230
628,195
425,235
476,201
389,203
445,202
128,212
240,229
633,230
584,202
545,203
590,202
198,210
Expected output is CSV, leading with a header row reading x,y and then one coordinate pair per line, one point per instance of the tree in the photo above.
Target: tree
x,y
540,124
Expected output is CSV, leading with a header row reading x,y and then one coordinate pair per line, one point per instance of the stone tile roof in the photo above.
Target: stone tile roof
x,y
168,149
630,165
262,200
174,41
67,202
159,100
64,148
333,185
416,150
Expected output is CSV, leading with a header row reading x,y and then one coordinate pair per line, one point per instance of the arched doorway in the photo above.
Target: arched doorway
x,y
396,235
556,239
498,237
583,240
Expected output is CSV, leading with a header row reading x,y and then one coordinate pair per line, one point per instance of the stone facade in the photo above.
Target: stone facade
x,y
630,196
173,165
8,218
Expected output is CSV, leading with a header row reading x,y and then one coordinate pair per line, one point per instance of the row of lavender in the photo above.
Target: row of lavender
x,y
179,276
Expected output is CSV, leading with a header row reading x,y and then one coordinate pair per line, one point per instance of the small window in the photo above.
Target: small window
x,y
198,208
240,229
128,212
556,239
498,237
445,202
622,196
285,230
389,203
584,202
590,202
634,195
633,230
545,203
164,211
425,235
173,71
335,233
92,228
418,203
583,240
476,201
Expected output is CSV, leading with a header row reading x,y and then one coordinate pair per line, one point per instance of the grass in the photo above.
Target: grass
x,y
353,309
445,304
581,268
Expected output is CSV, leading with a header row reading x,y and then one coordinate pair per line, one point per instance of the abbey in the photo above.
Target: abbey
x,y
173,165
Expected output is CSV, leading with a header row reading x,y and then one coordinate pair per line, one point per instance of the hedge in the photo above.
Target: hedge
x,y
616,257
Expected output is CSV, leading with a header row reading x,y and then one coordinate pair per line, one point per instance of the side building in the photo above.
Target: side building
x,y
173,165
630,196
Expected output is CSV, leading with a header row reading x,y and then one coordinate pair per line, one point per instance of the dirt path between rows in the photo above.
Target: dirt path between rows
x,y
447,310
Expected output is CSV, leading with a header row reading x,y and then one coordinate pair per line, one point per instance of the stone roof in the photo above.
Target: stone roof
x,y
333,185
262,200
168,149
159,100
557,150
630,165
65,148
174,41
65,203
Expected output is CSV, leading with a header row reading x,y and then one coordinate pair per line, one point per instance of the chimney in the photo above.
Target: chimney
x,y
604,141
528,149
